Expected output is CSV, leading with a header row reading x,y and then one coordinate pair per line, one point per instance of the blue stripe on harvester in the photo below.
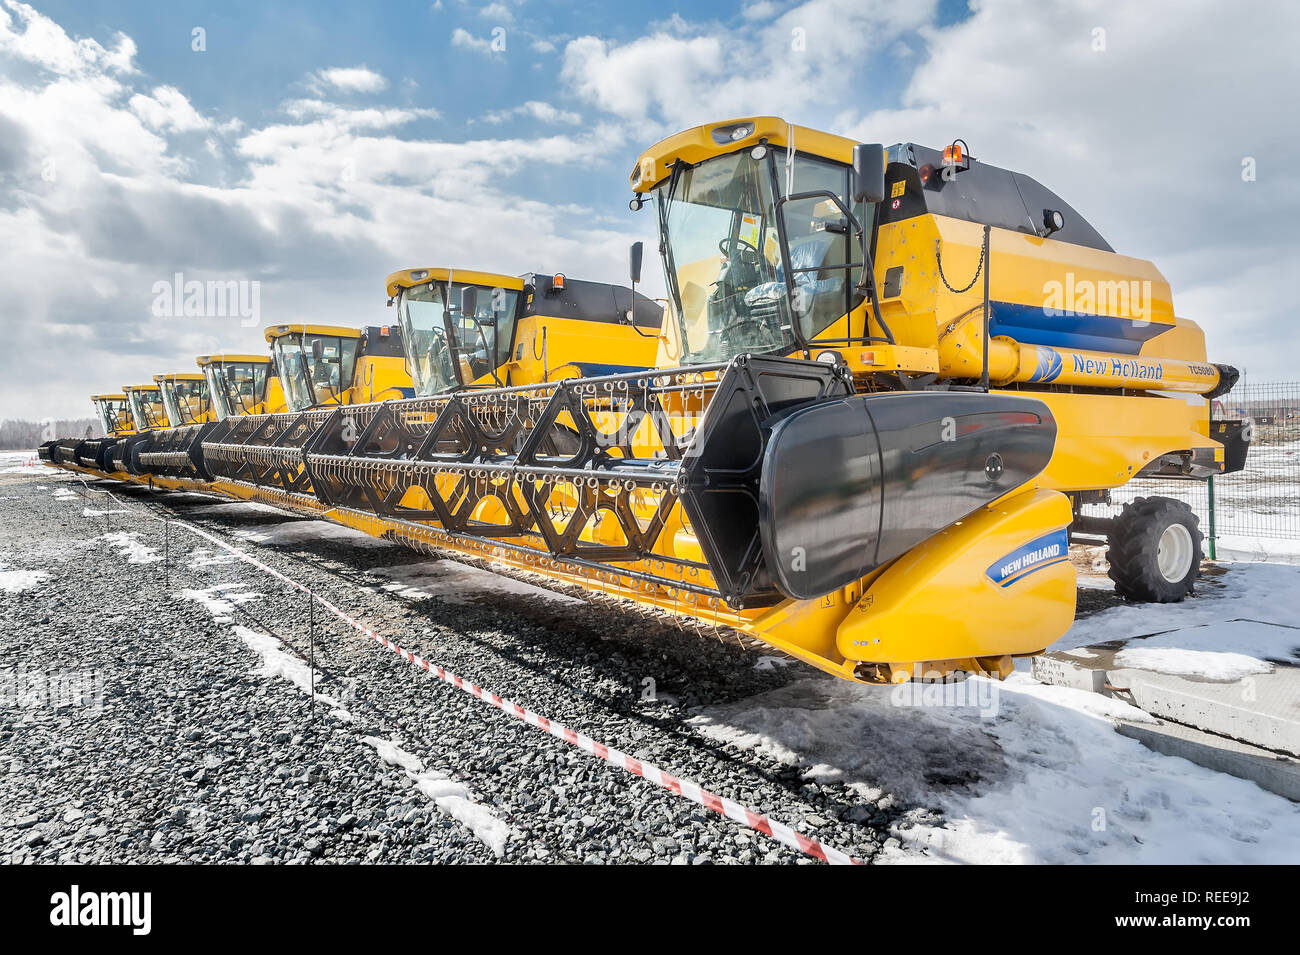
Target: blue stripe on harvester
x,y
591,369
1034,325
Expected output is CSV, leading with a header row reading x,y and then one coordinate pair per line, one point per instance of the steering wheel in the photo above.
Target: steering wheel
x,y
737,248
744,321
440,359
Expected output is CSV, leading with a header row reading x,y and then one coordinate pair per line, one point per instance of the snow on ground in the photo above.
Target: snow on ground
x,y
16,581
1250,609
1023,773
19,462
1270,549
202,557
457,583
222,599
236,508
276,662
1225,667
292,532
128,544
92,512
452,798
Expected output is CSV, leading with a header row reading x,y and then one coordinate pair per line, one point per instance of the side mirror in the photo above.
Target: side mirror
x,y
317,349
469,301
634,261
868,172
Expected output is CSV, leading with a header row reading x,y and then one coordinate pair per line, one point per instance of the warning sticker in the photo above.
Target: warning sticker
x,y
749,230
897,189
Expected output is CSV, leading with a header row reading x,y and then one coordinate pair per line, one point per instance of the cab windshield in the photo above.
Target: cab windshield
x,y
115,413
147,410
747,272
455,334
185,400
236,387
309,381
105,415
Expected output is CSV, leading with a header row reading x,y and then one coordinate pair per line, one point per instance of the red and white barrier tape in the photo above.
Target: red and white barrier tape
x,y
674,784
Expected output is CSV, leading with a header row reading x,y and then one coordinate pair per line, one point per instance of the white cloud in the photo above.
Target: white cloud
x,y
168,108
44,42
318,205
542,112
463,38
542,46
497,12
659,70
348,79
760,10
683,74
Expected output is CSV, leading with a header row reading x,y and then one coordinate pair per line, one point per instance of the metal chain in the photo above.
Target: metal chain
x,y
938,258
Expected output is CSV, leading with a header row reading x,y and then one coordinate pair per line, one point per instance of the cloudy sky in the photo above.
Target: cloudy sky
x,y
314,148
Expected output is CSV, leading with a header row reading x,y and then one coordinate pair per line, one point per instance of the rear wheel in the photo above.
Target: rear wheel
x,y
1155,550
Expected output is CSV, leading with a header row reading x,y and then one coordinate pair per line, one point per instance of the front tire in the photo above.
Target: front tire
x,y
1155,550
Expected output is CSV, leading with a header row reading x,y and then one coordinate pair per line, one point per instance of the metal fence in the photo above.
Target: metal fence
x,y
1255,507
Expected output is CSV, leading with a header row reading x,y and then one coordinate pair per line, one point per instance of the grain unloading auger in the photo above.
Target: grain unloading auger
x,y
889,380
458,330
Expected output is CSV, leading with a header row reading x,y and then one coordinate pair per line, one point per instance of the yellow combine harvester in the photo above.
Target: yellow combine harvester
x,y
175,451
91,454
258,456
889,381
890,378
458,331
148,415
242,385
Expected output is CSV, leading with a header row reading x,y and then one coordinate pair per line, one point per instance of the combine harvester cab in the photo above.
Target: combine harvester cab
x,y
476,343
114,413
173,456
888,379
258,454
148,415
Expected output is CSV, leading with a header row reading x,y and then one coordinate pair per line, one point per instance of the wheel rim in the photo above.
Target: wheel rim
x,y
1174,553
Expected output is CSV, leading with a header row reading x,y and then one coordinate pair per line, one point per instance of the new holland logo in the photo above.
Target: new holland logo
x,y
1049,549
1049,365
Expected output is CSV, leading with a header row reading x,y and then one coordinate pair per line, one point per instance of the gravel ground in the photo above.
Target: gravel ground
x,y
190,746
192,754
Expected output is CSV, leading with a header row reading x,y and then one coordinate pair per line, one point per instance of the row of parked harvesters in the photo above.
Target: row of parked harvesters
x,y
886,382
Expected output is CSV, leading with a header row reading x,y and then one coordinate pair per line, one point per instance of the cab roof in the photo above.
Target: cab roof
x,y
179,376
409,278
204,360
108,397
129,388
715,139
279,331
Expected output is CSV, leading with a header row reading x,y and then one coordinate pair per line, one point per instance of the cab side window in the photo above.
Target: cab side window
x,y
824,250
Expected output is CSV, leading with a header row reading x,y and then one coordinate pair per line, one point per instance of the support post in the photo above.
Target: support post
x,y
984,377
1209,485
311,651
